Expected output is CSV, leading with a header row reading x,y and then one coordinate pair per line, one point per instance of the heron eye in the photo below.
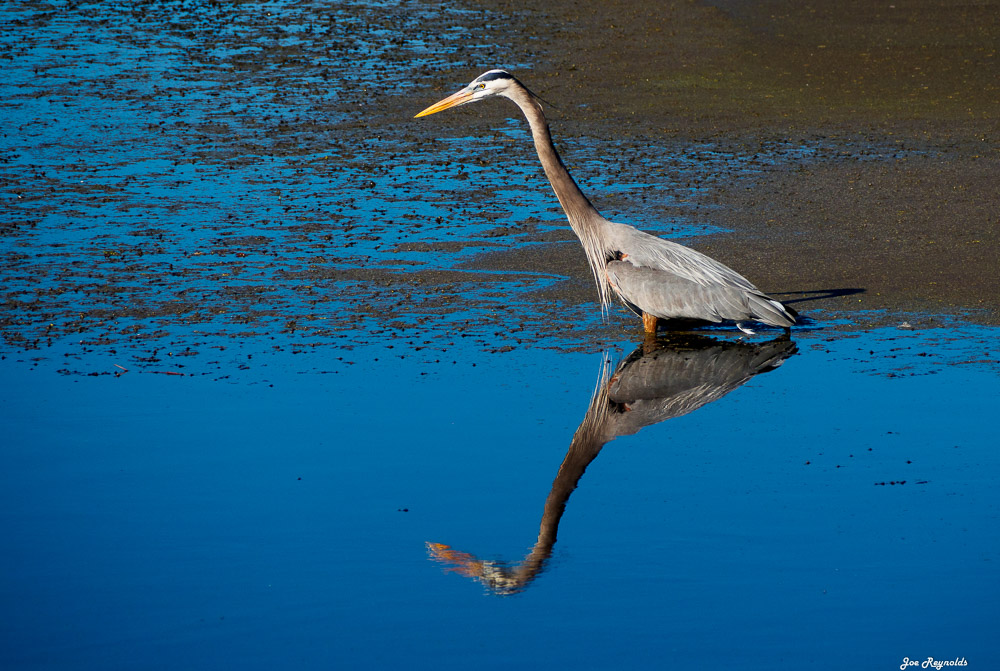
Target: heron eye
x,y
480,86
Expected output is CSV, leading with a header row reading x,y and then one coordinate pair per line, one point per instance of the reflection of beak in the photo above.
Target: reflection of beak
x,y
460,98
464,563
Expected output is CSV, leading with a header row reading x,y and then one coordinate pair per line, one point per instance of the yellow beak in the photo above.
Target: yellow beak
x,y
460,98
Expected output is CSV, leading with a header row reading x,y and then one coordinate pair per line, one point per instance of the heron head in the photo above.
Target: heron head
x,y
487,85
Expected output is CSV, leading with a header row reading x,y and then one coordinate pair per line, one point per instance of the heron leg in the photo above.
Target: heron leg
x,y
649,322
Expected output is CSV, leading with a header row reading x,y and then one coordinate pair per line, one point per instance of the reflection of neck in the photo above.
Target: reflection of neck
x,y
581,453
588,440
586,445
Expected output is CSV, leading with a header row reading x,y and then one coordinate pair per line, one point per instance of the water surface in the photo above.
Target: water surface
x,y
266,399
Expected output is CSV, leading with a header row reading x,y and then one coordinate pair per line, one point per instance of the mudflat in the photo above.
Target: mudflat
x,y
901,213
246,172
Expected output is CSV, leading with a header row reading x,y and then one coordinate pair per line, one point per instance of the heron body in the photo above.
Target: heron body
x,y
656,278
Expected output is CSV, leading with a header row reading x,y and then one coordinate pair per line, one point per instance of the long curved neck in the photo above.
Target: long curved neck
x,y
575,204
584,218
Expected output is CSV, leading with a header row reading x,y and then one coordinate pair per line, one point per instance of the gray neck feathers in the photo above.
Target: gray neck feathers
x,y
583,217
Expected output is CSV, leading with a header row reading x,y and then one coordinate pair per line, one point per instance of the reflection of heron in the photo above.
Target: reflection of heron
x,y
667,380
656,278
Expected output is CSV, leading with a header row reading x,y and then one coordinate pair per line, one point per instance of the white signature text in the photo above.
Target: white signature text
x,y
931,663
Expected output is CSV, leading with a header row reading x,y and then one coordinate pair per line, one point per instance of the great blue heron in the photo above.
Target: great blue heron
x,y
655,278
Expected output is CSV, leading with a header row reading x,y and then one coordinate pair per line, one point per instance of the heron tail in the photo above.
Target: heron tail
x,y
770,311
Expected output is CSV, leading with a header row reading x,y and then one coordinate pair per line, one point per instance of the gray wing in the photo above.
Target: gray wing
x,y
671,281
649,251
665,294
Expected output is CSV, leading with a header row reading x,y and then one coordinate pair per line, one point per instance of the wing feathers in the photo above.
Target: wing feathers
x,y
668,295
649,251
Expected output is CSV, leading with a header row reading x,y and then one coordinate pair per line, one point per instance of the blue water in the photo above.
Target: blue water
x,y
260,409
818,512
